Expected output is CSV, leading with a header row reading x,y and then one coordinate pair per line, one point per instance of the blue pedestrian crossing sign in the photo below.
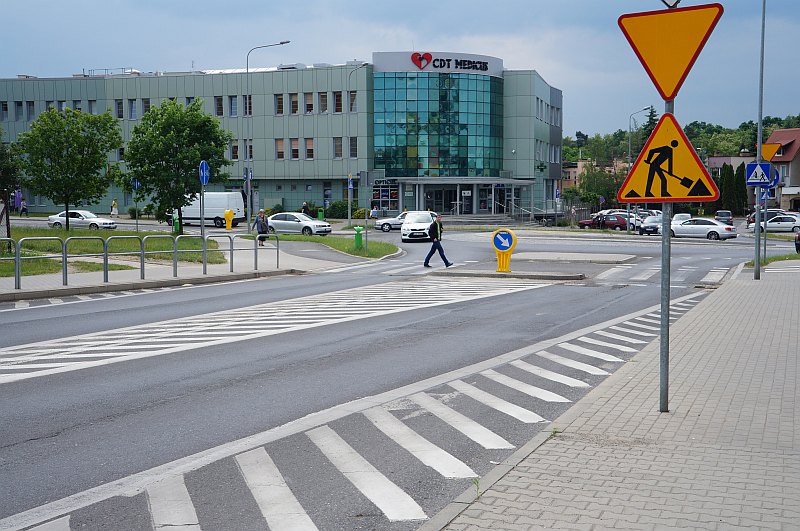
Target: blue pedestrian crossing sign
x,y
759,174
205,173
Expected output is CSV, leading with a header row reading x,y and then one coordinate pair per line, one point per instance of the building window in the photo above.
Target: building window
x,y
309,102
49,103
309,188
121,154
92,106
18,111
248,149
62,104
280,150
132,109
309,148
351,103
247,103
30,110
295,144
233,106
337,147
323,102
293,187
218,109
189,100
294,105
235,150
3,111
353,147
76,104
279,104
278,187
145,106
337,101
118,107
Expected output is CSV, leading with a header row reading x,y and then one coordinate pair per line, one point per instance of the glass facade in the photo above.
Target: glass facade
x,y
438,125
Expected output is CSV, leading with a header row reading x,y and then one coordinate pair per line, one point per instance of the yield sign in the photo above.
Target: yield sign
x,y
668,42
668,170
768,150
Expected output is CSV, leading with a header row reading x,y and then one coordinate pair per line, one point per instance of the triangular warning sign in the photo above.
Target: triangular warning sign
x,y
769,150
668,42
668,170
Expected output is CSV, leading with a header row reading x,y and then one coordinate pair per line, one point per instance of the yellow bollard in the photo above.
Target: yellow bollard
x,y
504,241
228,215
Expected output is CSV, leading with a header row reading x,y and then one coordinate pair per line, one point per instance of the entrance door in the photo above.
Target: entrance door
x,y
450,198
500,200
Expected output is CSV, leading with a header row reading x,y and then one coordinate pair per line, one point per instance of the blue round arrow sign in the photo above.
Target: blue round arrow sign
x,y
205,172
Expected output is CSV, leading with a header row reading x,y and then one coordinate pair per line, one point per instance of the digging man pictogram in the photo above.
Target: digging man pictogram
x,y
656,158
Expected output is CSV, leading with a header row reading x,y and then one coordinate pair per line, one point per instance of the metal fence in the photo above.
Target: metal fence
x,y
64,256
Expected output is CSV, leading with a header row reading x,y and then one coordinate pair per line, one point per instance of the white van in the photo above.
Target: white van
x,y
215,205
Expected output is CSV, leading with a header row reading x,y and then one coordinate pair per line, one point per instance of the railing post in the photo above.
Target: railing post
x,y
105,261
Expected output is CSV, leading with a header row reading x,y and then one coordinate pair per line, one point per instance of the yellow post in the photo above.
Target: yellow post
x,y
228,215
504,241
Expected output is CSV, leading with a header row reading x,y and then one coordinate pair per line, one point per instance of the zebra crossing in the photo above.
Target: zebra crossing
x,y
442,431
72,299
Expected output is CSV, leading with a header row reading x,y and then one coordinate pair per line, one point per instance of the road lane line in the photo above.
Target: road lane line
x,y
170,505
497,403
278,504
589,352
550,375
522,387
388,497
428,453
62,524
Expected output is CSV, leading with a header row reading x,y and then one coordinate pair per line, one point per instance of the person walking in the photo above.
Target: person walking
x,y
435,233
261,224
23,208
114,208
305,209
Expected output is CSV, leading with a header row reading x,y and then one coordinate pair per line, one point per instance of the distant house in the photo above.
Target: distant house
x,y
787,161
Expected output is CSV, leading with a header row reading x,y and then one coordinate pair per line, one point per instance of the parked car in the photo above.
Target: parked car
x,y
80,219
702,228
680,217
388,224
765,215
725,216
605,221
650,225
415,226
781,223
297,223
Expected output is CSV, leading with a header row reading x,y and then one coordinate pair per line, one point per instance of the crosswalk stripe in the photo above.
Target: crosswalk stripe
x,y
481,435
644,275
645,320
418,446
588,352
388,497
495,402
22,304
629,331
610,272
611,335
550,375
584,367
642,326
62,524
715,275
528,389
278,505
170,505
593,341
55,301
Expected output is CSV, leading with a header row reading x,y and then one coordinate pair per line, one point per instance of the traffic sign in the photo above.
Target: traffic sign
x,y
668,42
205,172
769,150
759,174
668,170
504,241
135,184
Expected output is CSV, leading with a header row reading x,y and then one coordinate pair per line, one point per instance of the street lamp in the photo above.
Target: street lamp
x,y
249,140
346,101
630,134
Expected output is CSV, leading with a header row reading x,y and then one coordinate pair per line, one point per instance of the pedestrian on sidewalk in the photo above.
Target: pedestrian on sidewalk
x,y
23,208
114,208
435,233
261,224
305,209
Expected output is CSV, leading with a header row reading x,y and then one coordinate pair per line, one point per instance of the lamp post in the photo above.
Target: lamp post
x,y
630,147
349,170
249,140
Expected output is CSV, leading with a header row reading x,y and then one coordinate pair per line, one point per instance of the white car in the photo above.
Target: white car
x,y
297,223
388,224
680,218
415,226
80,219
782,223
702,228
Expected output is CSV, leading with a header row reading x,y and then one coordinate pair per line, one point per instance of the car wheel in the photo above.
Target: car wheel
x,y
307,231
712,235
219,223
56,225
641,232
94,226
235,224
272,230
795,229
672,233
386,227
618,228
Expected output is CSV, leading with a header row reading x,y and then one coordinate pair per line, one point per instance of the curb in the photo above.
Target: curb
x,y
497,274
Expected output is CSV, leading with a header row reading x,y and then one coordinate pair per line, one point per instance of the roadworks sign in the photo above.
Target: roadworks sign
x,y
668,170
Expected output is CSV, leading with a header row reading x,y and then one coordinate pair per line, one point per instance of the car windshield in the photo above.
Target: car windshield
x,y
652,219
418,218
304,217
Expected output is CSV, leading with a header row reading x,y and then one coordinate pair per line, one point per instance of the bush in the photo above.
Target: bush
x,y
135,213
276,209
357,214
149,209
338,209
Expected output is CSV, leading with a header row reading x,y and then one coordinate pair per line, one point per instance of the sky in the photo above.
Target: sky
x,y
575,45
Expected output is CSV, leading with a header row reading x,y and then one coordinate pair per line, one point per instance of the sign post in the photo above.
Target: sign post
x,y
135,184
205,173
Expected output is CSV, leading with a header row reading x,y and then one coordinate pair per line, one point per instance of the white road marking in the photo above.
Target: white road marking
x,y
584,367
630,331
62,524
278,505
494,402
645,327
550,375
522,387
715,275
481,435
588,352
170,505
593,341
618,337
418,446
388,497
644,275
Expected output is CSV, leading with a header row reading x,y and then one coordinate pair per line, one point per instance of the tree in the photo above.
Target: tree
x,y
740,187
10,173
66,156
165,150
727,192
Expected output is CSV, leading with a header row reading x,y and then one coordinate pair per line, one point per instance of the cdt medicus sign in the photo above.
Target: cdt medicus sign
x,y
437,62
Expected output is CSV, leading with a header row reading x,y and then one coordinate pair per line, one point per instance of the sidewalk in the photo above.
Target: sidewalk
x,y
726,455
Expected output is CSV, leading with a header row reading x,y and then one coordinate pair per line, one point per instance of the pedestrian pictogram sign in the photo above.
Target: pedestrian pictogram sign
x,y
668,169
668,42
769,150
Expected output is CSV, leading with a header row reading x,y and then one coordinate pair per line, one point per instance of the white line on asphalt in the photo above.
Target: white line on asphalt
x,y
62,524
585,367
522,387
549,375
56,301
21,304
494,402
418,446
388,497
278,504
639,325
170,505
588,352
610,272
481,435
620,338
629,331
593,341
644,275
715,275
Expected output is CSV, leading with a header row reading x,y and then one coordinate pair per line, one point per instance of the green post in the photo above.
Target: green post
x,y
359,241
176,223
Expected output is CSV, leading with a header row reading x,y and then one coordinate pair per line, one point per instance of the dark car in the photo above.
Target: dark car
x,y
605,221
725,216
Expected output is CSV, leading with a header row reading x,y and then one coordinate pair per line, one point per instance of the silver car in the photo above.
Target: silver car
x,y
80,219
702,228
416,225
389,224
297,223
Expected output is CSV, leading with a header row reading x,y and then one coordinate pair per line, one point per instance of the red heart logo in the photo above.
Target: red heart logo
x,y
421,59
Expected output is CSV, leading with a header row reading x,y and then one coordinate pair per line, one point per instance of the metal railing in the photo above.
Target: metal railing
x,y
64,256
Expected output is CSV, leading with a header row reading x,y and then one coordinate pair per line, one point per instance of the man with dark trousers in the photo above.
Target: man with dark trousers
x,y
435,232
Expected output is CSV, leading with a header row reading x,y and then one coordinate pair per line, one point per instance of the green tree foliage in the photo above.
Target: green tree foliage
x,y
596,182
165,150
66,154
10,177
740,187
727,190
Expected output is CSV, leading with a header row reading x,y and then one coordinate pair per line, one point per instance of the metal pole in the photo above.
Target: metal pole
x,y
350,173
666,219
757,226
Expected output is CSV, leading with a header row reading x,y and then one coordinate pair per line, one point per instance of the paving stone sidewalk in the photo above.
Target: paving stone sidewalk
x,y
726,455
